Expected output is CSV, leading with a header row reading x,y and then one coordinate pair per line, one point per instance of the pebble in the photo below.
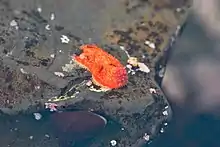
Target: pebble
x,y
64,39
47,27
161,130
52,16
59,74
14,23
113,142
143,67
152,90
146,137
39,9
37,87
52,56
31,137
23,71
150,44
37,116
46,135
165,112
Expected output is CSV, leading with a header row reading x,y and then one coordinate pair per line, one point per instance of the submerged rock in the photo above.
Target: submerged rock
x,y
33,59
77,126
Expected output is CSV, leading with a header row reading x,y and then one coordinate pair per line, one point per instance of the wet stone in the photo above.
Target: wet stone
x,y
33,57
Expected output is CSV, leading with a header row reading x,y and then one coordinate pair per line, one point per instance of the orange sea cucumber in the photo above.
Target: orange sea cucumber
x,y
107,72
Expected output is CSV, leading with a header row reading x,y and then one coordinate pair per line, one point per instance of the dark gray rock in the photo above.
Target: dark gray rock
x,y
31,53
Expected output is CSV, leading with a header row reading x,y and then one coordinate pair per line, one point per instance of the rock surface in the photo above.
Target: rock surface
x,y
37,66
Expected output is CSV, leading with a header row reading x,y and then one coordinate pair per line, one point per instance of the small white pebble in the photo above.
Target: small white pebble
x,y
60,51
52,16
178,9
161,130
46,135
165,112
64,39
132,72
14,23
47,27
37,116
146,137
113,142
31,137
147,42
152,45
165,124
23,71
59,74
143,67
152,90
39,9
128,66
52,55
166,107
37,87
122,129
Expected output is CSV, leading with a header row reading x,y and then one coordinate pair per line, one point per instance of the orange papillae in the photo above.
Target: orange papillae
x,y
106,70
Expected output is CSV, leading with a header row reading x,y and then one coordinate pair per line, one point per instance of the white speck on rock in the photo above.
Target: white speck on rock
x,y
59,74
23,71
178,9
165,124
166,107
146,137
68,67
152,90
133,73
64,39
165,112
143,67
150,44
161,130
37,87
47,27
14,23
147,42
113,142
31,137
39,9
37,116
46,135
52,56
52,16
